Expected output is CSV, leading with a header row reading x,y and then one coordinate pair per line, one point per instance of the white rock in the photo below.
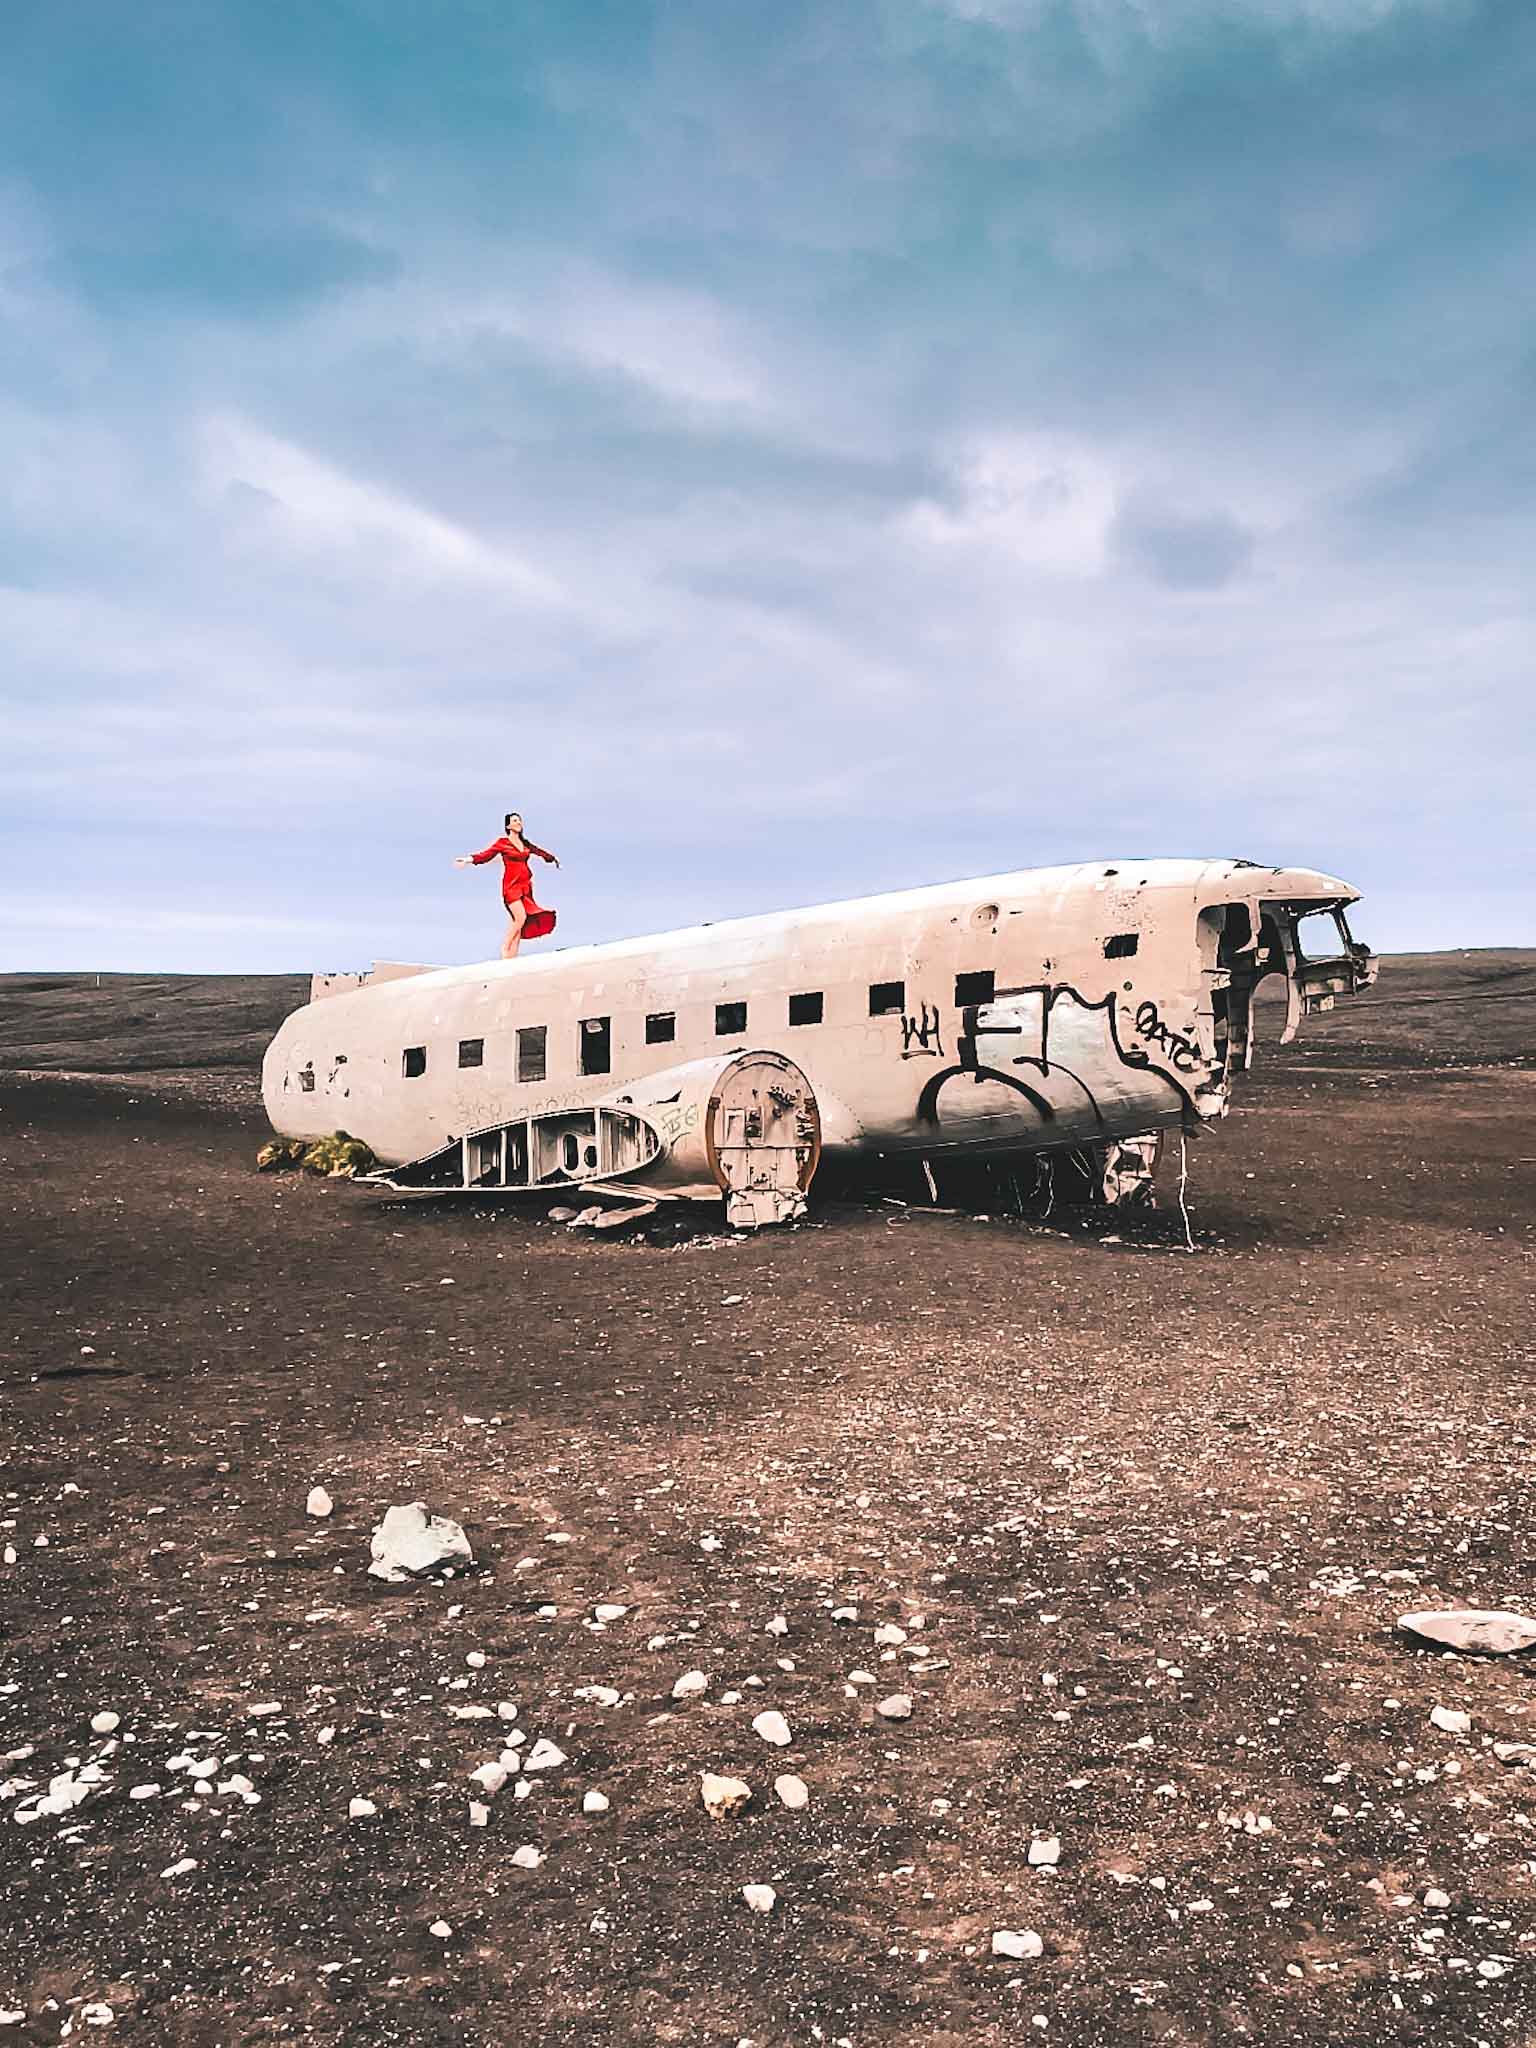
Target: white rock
x,y
1494,1631
723,1797
1022,1946
411,1540
144,1791
594,1802
180,1869
479,1815
599,1695
793,1792
690,1685
1451,1719
105,1722
490,1777
888,1636
760,1897
773,1728
319,1504
778,1626
897,1708
544,1757
845,1614
610,1611
1437,1901
361,1809
527,1858
441,1929
475,1659
264,1710
1045,1852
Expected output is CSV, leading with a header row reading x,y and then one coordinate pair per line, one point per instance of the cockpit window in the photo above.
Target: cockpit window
x,y
1322,934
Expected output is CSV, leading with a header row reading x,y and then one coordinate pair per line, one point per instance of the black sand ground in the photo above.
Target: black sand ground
x,y
1146,1519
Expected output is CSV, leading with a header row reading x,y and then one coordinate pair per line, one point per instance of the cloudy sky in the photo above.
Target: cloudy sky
x,y
786,451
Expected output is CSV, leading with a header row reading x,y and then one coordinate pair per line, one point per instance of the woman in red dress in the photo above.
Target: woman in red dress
x,y
528,921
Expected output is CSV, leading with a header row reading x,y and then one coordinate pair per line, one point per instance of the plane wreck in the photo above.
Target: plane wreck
x,y
1084,1010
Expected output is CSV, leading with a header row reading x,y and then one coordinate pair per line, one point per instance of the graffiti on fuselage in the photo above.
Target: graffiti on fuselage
x,y
1180,1051
920,1035
1026,1015
674,1120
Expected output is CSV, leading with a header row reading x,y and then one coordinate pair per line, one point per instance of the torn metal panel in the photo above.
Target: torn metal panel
x,y
745,1129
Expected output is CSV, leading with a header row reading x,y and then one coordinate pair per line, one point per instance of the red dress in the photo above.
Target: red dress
x,y
517,882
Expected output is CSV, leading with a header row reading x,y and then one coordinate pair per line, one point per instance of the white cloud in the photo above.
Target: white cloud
x,y
323,509
1044,499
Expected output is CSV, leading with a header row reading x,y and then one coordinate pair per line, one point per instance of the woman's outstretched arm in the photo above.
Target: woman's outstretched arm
x,y
465,860
529,847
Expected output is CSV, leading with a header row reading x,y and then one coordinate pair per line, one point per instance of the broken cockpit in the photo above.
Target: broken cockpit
x,y
1305,939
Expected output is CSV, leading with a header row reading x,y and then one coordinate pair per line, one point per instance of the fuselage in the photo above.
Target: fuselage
x,y
1020,1011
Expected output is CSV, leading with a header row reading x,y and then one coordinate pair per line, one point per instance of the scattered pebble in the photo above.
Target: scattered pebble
x,y
723,1797
897,1708
772,1727
1491,1631
411,1540
1022,1946
1452,1720
760,1897
319,1504
793,1792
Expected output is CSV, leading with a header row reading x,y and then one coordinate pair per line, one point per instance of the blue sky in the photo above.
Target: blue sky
x,y
786,452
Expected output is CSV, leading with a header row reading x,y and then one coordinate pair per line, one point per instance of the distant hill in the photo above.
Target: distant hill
x,y
1431,1009
142,1023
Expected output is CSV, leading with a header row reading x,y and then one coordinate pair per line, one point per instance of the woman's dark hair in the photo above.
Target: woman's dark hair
x,y
506,823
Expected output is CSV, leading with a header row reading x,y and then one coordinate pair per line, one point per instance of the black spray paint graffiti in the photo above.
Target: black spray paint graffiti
x,y
1182,1056
920,1035
1181,1052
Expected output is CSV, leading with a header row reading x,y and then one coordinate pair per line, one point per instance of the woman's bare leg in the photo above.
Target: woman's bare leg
x,y
517,917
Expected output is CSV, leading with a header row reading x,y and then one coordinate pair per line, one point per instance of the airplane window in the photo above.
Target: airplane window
x,y
307,1080
730,1018
805,1009
661,1028
976,987
1121,946
596,1045
532,1064
413,1062
887,997
471,1052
